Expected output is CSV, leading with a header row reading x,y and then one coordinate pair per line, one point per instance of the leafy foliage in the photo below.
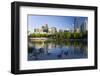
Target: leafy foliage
x,y
62,35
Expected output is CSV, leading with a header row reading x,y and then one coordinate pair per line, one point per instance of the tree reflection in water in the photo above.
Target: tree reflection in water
x,y
50,50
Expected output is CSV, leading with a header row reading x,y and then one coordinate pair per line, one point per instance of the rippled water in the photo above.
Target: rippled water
x,y
52,50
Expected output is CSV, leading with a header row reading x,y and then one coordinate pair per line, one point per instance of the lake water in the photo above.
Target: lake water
x,y
53,50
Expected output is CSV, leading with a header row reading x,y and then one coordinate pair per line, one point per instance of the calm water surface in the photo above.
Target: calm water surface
x,y
52,50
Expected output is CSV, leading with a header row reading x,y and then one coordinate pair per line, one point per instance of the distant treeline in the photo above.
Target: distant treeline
x,y
62,35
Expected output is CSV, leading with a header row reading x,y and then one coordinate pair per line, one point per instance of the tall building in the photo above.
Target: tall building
x,y
76,25
45,29
84,25
53,29
80,27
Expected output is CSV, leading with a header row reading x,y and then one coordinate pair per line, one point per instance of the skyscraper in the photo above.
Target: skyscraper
x,y
80,26
84,25
76,24
45,28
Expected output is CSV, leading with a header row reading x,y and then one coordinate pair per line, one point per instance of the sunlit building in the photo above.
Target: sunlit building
x,y
84,25
76,25
45,29
53,29
80,27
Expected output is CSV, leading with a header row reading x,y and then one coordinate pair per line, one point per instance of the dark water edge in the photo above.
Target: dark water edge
x,y
54,50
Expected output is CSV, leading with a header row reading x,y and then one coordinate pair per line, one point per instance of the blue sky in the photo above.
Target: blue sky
x,y
60,22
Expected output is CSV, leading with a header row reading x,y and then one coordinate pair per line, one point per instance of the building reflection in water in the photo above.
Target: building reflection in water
x,y
53,50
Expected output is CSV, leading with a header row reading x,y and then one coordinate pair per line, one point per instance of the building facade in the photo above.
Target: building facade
x,y
84,26
80,27
45,30
76,25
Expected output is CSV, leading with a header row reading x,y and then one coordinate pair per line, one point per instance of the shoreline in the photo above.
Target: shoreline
x,y
49,39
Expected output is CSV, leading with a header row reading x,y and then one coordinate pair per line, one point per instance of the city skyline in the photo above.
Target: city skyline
x,y
57,37
60,22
